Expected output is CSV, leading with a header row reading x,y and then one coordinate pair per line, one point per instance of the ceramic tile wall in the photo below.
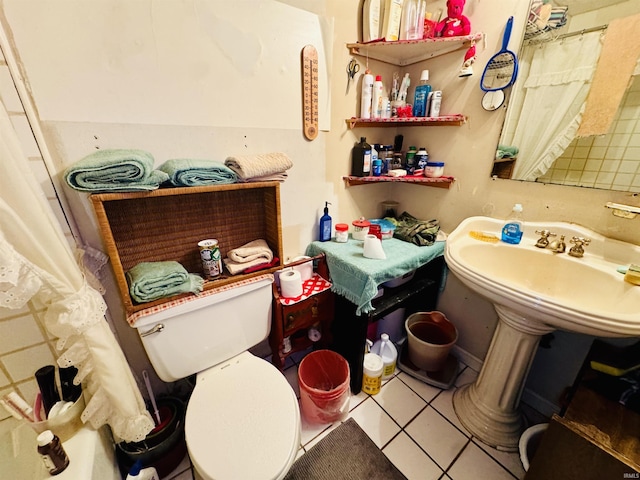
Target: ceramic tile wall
x,y
609,161
25,345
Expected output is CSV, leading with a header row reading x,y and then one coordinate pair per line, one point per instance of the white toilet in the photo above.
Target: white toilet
x,y
243,419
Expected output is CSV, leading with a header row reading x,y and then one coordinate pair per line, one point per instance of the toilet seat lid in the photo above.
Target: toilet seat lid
x,y
242,421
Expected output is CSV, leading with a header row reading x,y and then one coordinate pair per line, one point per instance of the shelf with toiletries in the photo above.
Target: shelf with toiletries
x,y
445,120
167,224
440,182
408,52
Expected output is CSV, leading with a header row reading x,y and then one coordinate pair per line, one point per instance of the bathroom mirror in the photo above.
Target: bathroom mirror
x,y
538,142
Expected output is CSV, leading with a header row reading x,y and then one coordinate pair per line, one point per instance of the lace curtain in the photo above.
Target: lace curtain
x,y
36,263
549,107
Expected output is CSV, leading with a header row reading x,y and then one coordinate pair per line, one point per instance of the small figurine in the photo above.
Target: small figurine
x,y
469,58
455,24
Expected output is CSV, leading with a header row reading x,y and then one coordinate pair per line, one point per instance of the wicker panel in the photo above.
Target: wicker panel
x,y
167,224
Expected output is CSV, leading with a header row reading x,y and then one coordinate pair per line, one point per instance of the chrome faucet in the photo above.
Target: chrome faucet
x,y
543,241
558,246
577,250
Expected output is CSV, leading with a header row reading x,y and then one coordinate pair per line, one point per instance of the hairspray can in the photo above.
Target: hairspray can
x,y
211,258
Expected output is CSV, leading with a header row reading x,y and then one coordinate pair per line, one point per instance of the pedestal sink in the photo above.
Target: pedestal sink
x,y
534,292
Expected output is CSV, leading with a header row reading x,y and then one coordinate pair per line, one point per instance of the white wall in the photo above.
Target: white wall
x,y
108,84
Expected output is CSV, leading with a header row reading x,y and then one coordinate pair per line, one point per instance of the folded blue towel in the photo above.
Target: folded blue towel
x,y
115,170
153,280
185,172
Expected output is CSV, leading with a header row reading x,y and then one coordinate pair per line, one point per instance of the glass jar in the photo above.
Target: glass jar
x,y
342,232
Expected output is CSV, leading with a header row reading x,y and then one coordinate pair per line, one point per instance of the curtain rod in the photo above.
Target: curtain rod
x,y
548,37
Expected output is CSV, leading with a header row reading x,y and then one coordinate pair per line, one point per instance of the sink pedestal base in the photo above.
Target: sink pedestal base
x,y
489,408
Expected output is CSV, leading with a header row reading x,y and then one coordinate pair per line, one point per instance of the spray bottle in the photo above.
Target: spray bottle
x,y
325,224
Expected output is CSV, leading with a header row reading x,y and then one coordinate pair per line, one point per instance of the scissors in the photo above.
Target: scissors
x,y
352,69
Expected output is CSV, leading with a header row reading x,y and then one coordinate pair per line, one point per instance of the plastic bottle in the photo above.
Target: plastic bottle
x,y
367,95
422,158
386,350
372,369
138,473
371,20
376,153
436,100
361,158
410,162
325,224
376,167
421,95
378,91
412,23
52,452
392,19
513,228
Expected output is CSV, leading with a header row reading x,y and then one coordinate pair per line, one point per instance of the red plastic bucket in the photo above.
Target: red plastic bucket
x,y
323,377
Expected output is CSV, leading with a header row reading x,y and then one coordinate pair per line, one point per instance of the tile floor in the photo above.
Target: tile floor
x,y
416,428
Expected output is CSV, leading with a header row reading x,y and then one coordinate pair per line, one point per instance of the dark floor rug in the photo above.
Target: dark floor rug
x,y
345,453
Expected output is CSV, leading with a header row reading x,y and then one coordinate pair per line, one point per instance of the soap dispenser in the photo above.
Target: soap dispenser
x,y
513,227
325,224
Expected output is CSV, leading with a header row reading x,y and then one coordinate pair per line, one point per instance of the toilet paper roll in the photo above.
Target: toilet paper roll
x,y
290,284
373,248
305,269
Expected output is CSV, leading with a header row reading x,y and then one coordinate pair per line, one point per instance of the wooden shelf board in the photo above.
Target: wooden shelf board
x,y
445,120
408,52
441,182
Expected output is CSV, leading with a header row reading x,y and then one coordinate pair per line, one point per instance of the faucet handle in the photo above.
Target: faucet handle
x,y
543,241
578,242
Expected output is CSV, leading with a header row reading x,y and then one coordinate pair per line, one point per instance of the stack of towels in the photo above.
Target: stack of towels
x,y
117,170
254,255
260,168
185,172
150,281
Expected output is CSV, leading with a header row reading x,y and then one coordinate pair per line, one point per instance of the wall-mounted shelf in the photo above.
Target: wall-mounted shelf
x,y
408,52
445,120
440,182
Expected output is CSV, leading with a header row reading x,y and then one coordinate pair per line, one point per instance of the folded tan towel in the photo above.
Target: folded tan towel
x,y
256,250
276,177
260,165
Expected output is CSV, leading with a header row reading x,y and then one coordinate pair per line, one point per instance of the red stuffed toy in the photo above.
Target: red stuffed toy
x,y
455,24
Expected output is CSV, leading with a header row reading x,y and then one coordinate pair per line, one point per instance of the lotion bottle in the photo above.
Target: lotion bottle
x,y
325,224
371,20
366,98
513,227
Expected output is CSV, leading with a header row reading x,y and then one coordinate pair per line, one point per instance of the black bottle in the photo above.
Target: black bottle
x,y
361,159
52,452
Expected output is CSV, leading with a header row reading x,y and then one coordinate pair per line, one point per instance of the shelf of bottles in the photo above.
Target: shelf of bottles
x,y
440,182
445,120
408,52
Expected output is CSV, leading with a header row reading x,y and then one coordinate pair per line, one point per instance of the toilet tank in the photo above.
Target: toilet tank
x,y
213,327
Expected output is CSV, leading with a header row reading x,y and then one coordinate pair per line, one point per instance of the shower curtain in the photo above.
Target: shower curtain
x,y
37,263
553,98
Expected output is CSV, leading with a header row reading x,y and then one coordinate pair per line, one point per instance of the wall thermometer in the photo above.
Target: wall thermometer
x,y
310,91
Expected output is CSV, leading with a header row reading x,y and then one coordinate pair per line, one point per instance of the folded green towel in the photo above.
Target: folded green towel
x,y
184,172
506,151
412,230
115,170
152,280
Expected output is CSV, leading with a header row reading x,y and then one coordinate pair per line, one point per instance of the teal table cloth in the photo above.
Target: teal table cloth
x,y
357,277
